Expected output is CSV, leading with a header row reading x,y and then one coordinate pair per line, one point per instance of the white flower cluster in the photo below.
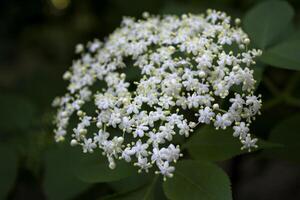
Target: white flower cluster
x,y
188,77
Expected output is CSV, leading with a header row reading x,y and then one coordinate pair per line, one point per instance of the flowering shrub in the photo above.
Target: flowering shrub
x,y
172,95
185,67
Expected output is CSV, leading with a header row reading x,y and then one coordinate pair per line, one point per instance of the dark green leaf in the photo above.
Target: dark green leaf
x,y
215,145
150,191
131,183
8,169
31,147
60,183
285,55
287,133
267,21
258,69
17,113
195,180
93,168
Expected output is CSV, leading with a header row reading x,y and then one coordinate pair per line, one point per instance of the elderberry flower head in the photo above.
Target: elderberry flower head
x,y
185,66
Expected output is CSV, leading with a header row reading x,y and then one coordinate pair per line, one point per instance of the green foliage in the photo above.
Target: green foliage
x,y
150,191
59,182
267,21
17,113
285,55
287,133
31,148
195,180
139,186
94,169
210,144
259,69
8,169
131,183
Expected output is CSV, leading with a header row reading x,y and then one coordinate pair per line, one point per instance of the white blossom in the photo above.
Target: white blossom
x,y
88,145
185,71
249,143
240,130
206,115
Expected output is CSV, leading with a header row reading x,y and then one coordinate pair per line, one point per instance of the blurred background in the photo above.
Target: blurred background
x,y
37,40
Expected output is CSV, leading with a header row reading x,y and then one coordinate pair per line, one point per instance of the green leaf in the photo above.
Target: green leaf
x,y
131,183
17,113
195,180
8,170
150,191
31,147
132,73
287,133
59,182
93,168
267,21
285,55
216,145
258,69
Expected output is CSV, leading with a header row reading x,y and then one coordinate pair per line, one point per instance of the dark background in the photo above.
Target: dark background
x,y
37,40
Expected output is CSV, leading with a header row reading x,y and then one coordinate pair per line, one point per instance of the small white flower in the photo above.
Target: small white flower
x,y
249,143
166,101
237,102
240,130
93,46
104,102
254,103
132,108
140,149
143,163
140,130
127,153
88,146
166,169
79,48
101,137
173,153
222,121
206,115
